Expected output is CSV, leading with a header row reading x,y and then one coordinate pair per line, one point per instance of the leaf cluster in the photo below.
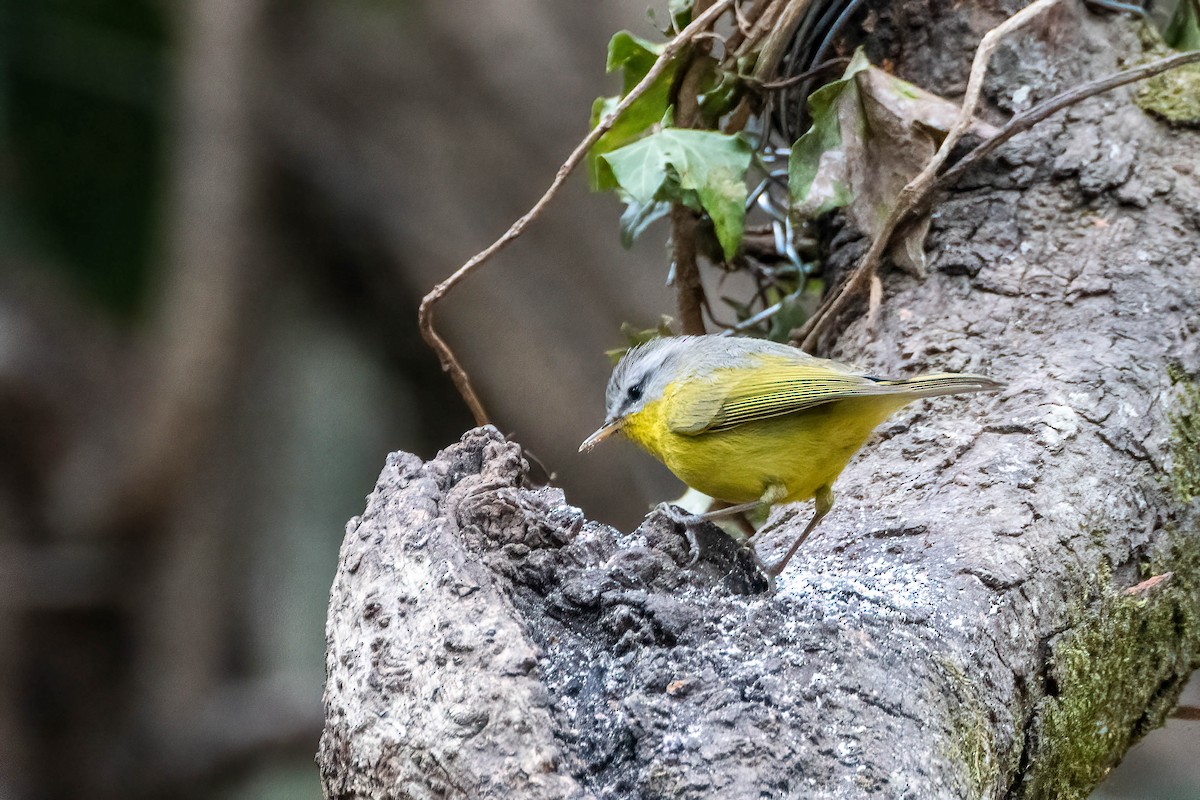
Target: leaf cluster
x,y
651,164
871,134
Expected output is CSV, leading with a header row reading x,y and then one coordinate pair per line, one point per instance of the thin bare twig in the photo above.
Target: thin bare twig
x,y
874,302
1152,583
1190,713
1027,119
712,36
763,15
803,76
758,18
780,36
918,189
445,355
1019,124
742,21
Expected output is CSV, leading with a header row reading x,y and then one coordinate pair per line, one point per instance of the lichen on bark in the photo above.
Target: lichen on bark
x,y
1174,95
972,739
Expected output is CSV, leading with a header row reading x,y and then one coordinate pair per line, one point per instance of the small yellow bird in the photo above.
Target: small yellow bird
x,y
753,422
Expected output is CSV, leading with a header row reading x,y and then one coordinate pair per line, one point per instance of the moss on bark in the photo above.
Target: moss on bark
x,y
1115,675
1185,437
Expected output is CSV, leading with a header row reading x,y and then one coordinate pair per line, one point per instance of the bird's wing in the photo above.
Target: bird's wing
x,y
770,386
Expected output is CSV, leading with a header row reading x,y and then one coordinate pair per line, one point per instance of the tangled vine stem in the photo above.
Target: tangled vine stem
x,y
917,197
780,35
445,355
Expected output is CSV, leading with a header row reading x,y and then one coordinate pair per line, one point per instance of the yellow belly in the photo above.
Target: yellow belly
x,y
800,452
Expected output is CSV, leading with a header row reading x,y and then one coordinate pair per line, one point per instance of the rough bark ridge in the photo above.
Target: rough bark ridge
x,y
961,624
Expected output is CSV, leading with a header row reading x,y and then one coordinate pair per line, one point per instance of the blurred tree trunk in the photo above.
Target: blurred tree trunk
x,y
1005,597
119,586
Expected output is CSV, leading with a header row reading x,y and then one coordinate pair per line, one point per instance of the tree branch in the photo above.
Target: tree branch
x,y
685,227
189,359
918,201
1027,119
989,589
689,290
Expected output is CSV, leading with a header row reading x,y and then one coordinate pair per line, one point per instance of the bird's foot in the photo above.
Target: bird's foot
x,y
686,521
710,547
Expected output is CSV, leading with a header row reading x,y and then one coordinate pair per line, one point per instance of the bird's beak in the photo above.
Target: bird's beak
x,y
606,430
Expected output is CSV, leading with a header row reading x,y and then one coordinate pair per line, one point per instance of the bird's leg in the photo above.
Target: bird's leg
x,y
770,496
823,501
729,511
740,520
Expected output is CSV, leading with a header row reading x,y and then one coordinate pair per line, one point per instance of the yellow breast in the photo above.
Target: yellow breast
x,y
800,452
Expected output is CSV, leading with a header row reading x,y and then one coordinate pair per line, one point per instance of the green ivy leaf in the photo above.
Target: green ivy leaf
x,y
719,92
634,56
704,170
1183,32
681,11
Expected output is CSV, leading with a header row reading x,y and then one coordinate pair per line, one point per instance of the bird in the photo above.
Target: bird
x,y
752,422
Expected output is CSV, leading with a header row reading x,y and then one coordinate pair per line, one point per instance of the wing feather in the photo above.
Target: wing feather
x,y
771,387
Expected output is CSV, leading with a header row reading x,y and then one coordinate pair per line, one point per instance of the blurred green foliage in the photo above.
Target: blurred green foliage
x,y
83,101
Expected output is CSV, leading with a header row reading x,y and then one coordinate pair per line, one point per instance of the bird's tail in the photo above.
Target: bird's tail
x,y
942,383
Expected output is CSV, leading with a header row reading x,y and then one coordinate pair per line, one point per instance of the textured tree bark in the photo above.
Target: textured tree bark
x,y
971,620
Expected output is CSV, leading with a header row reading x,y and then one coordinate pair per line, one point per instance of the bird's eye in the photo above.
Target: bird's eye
x,y
635,392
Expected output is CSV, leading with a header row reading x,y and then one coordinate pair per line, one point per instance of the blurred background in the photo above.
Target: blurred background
x,y
217,218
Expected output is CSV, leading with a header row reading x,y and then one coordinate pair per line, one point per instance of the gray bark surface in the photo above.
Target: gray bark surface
x,y
961,625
